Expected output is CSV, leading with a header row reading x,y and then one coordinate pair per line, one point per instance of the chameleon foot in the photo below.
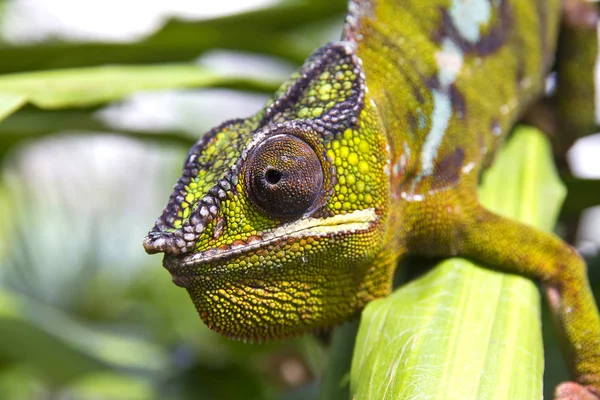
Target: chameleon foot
x,y
578,14
573,391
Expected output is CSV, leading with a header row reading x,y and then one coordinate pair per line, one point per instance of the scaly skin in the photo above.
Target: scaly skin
x,y
292,220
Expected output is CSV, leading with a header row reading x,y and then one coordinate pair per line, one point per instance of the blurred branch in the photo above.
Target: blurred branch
x,y
32,123
271,31
81,87
86,88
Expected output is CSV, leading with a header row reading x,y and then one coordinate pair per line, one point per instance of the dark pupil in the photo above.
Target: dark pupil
x,y
284,176
273,176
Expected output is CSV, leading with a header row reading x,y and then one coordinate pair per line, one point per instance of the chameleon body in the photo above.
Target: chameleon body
x,y
290,221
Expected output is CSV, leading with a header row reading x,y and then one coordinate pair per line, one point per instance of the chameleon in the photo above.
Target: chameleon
x,y
290,221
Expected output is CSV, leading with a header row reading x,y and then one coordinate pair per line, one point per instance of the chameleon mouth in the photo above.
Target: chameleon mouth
x,y
356,221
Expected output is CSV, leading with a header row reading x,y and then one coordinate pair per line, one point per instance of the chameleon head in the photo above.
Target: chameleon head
x,y
276,226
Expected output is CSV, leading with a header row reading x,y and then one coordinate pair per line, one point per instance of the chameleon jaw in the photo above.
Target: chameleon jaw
x,y
356,221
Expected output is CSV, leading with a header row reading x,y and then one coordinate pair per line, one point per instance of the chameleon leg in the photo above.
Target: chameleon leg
x,y
522,250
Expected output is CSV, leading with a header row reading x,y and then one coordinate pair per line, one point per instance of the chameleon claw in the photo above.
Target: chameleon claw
x,y
573,391
579,14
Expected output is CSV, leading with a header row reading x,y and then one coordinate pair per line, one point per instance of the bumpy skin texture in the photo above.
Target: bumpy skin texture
x,y
300,254
293,219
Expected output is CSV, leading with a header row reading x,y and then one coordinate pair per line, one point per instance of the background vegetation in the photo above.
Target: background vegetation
x,y
92,137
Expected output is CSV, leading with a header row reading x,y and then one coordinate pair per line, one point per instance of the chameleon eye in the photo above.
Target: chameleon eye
x,y
284,176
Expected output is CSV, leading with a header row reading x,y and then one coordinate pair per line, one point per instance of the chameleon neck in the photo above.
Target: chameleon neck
x,y
432,72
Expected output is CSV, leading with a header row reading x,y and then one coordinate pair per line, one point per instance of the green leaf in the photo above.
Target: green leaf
x,y
19,382
92,86
62,348
109,386
462,331
9,103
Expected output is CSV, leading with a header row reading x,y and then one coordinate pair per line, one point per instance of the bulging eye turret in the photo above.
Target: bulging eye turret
x,y
284,176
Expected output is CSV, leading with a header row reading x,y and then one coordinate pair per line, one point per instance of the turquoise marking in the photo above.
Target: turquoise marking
x,y
469,15
422,119
450,61
406,155
442,111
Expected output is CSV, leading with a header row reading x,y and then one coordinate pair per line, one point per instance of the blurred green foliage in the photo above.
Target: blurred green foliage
x,y
84,313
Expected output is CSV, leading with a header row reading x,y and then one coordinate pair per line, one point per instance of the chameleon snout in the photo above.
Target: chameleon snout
x,y
161,242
